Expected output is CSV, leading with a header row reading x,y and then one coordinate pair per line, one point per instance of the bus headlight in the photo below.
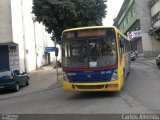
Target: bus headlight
x,y
115,76
65,77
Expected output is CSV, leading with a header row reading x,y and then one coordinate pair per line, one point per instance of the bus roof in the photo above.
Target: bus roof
x,y
93,27
89,27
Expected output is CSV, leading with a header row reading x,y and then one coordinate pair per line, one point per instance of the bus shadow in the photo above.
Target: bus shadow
x,y
94,95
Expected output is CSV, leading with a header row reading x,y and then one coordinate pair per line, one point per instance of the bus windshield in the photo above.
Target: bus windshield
x,y
89,52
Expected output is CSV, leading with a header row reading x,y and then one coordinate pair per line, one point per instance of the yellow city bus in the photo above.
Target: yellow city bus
x,y
95,58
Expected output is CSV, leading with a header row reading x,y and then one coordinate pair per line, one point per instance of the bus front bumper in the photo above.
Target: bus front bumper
x,y
88,87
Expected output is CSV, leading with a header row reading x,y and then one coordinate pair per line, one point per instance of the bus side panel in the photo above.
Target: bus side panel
x,y
127,63
124,68
123,60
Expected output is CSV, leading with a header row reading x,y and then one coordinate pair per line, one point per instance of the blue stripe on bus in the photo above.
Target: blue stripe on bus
x,y
90,76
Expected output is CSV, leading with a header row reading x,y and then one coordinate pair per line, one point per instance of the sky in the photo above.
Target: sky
x,y
113,7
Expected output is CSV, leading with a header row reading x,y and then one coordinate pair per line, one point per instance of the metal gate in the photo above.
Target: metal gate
x,y
4,58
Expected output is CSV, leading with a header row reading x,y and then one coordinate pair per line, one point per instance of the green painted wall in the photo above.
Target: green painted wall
x,y
127,13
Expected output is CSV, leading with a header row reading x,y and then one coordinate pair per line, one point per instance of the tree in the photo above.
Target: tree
x,y
58,15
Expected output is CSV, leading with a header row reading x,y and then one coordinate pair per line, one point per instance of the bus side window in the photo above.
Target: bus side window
x,y
125,50
121,46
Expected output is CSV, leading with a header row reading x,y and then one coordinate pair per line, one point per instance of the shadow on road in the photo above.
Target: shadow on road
x,y
10,91
93,95
6,92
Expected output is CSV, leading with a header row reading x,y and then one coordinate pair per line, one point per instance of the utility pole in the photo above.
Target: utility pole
x,y
35,39
56,54
24,39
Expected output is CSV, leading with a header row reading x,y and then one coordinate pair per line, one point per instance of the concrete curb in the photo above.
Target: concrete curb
x,y
146,63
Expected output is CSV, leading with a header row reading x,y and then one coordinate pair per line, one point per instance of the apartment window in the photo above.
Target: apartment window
x,y
124,24
120,28
156,17
127,20
132,12
12,49
152,2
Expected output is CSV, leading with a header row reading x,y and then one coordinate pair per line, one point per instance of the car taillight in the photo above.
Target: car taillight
x,y
11,78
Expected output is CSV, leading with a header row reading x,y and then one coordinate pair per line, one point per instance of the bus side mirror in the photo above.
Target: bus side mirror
x,y
56,52
121,43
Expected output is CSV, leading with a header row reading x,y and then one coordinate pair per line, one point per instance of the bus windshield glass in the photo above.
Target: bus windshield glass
x,y
89,51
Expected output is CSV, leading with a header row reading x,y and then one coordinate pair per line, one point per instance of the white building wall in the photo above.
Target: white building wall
x,y
30,36
146,40
150,45
5,22
18,29
40,44
155,43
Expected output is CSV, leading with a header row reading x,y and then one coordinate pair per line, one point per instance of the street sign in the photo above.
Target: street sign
x,y
50,49
134,34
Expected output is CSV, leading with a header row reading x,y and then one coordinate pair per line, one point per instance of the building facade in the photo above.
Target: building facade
x,y
155,25
134,20
22,41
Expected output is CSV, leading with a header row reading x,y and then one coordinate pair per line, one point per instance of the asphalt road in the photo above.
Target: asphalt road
x,y
141,95
143,85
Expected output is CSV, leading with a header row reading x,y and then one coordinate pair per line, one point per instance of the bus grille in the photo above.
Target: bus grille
x,y
90,86
94,78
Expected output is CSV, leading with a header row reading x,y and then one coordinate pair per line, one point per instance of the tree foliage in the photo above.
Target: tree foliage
x,y
58,15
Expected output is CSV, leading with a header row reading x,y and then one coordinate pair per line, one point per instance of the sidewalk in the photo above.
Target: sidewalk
x,y
148,60
46,75
41,79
